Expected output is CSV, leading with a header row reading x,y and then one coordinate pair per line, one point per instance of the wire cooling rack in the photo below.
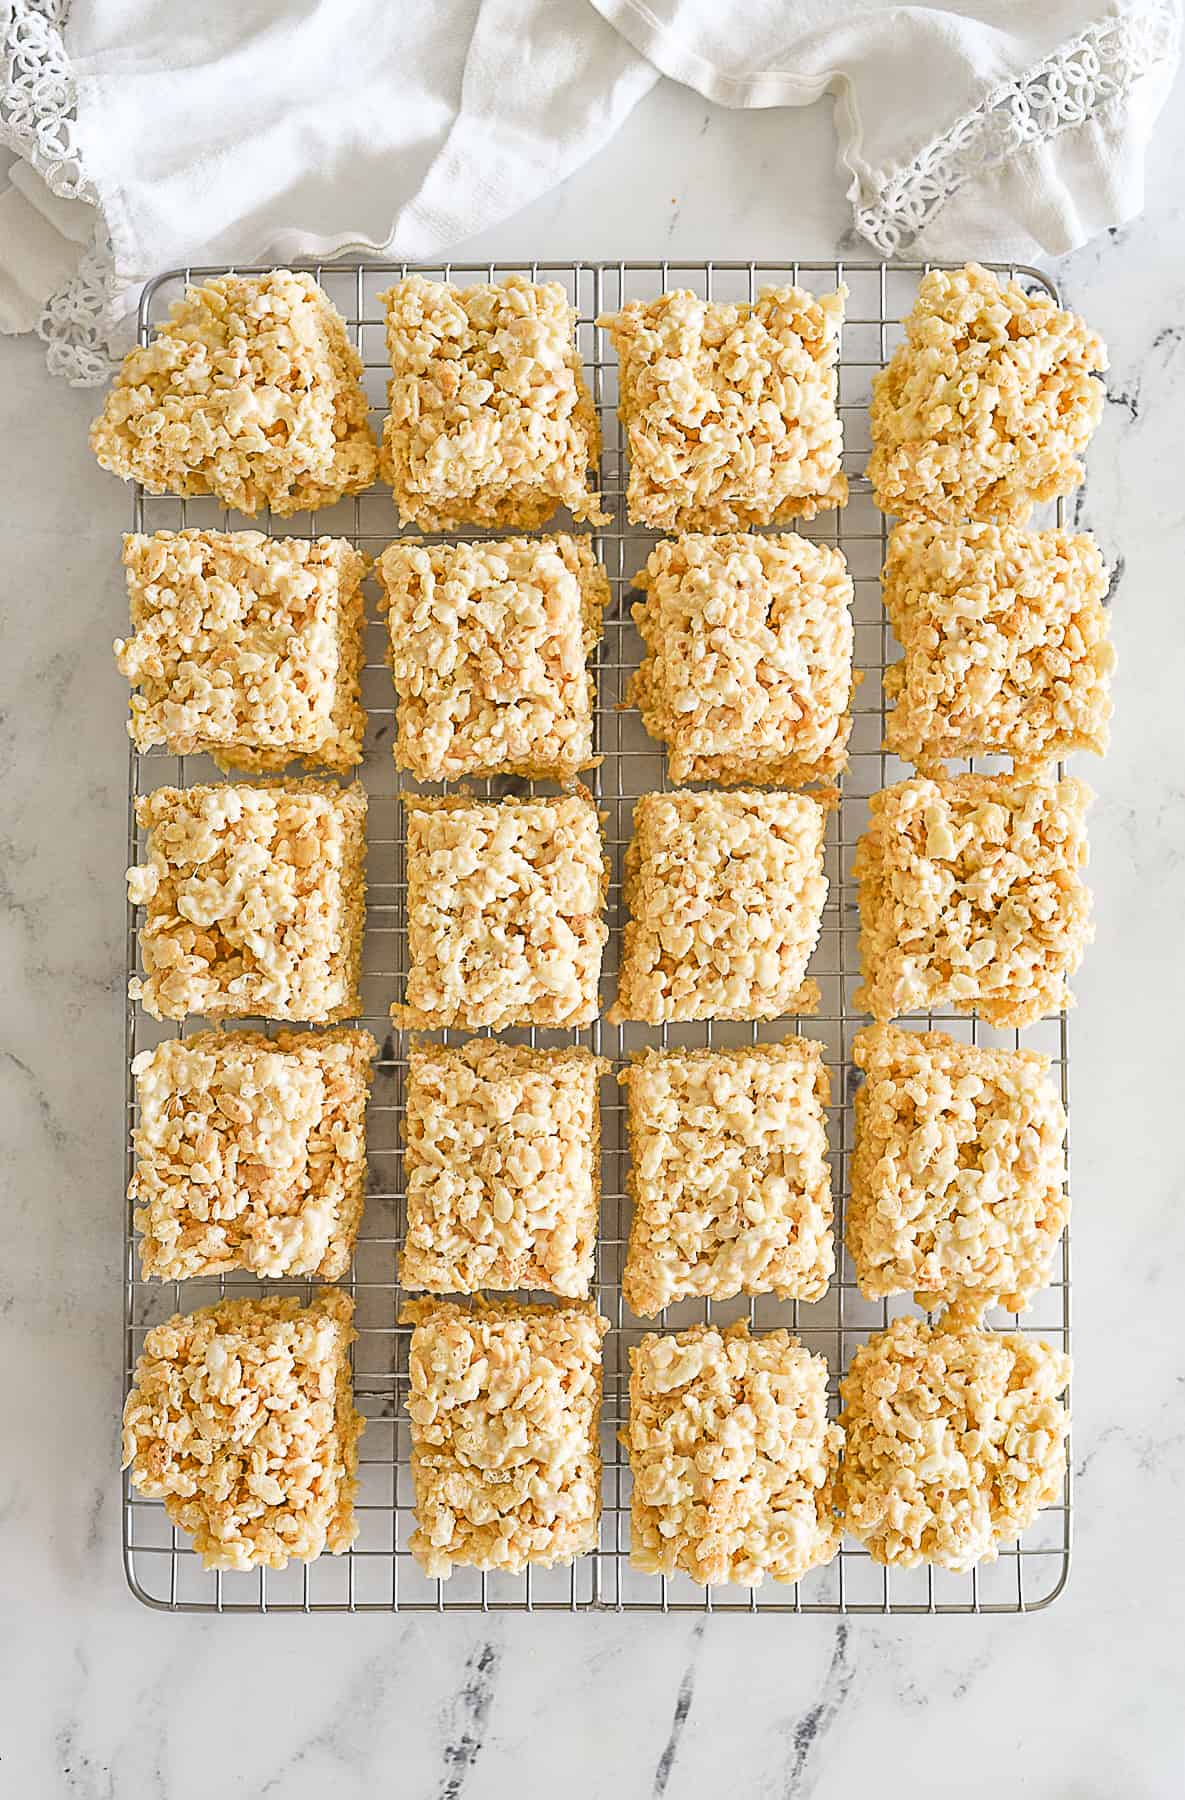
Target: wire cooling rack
x,y
378,1574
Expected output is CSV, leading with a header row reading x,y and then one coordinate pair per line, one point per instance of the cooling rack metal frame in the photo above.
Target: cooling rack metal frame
x,y
378,1574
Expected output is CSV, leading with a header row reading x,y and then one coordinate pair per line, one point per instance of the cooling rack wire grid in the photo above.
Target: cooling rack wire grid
x,y
378,1574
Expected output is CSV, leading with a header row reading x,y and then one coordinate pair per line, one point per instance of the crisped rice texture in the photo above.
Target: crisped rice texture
x,y
241,1419
489,648
987,405
245,647
251,1153
504,912
728,1174
748,671
502,1168
1006,644
254,899
504,1402
954,1438
251,391
730,410
971,896
732,1456
491,422
958,1178
726,893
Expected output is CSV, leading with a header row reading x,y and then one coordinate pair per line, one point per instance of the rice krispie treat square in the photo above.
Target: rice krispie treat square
x,y
251,391
1006,644
726,893
732,1456
491,422
987,405
504,905
971,896
748,671
730,411
728,1174
241,1419
958,1177
489,648
505,1405
246,648
254,901
502,1168
251,1153
954,1438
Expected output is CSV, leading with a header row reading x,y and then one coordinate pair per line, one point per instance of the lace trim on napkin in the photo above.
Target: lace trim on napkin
x,y
1063,91
38,121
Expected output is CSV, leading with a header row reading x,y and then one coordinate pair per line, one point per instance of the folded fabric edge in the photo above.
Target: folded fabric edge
x,y
1119,72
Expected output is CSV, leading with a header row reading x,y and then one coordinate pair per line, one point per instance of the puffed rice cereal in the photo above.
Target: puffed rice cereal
x,y
987,405
241,1419
954,1438
728,1174
489,648
971,897
254,899
1006,644
250,391
251,1153
504,912
748,671
502,1168
490,420
958,1177
732,1456
730,410
505,1404
246,648
726,893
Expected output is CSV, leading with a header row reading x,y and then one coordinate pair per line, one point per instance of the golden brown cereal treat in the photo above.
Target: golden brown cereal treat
x,y
502,1168
491,422
505,1404
251,391
254,900
245,647
489,647
958,1175
251,1152
730,411
241,1419
987,405
504,912
732,1456
954,1438
1006,644
748,671
728,1175
726,893
971,897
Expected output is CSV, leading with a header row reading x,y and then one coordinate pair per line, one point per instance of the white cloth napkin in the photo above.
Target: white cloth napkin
x,y
150,133
996,127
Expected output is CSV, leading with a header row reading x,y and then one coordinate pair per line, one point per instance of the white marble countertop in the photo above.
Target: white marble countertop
x,y
102,1698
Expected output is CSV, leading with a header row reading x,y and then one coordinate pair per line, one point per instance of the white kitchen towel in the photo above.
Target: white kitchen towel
x,y
220,130
152,133
1002,126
